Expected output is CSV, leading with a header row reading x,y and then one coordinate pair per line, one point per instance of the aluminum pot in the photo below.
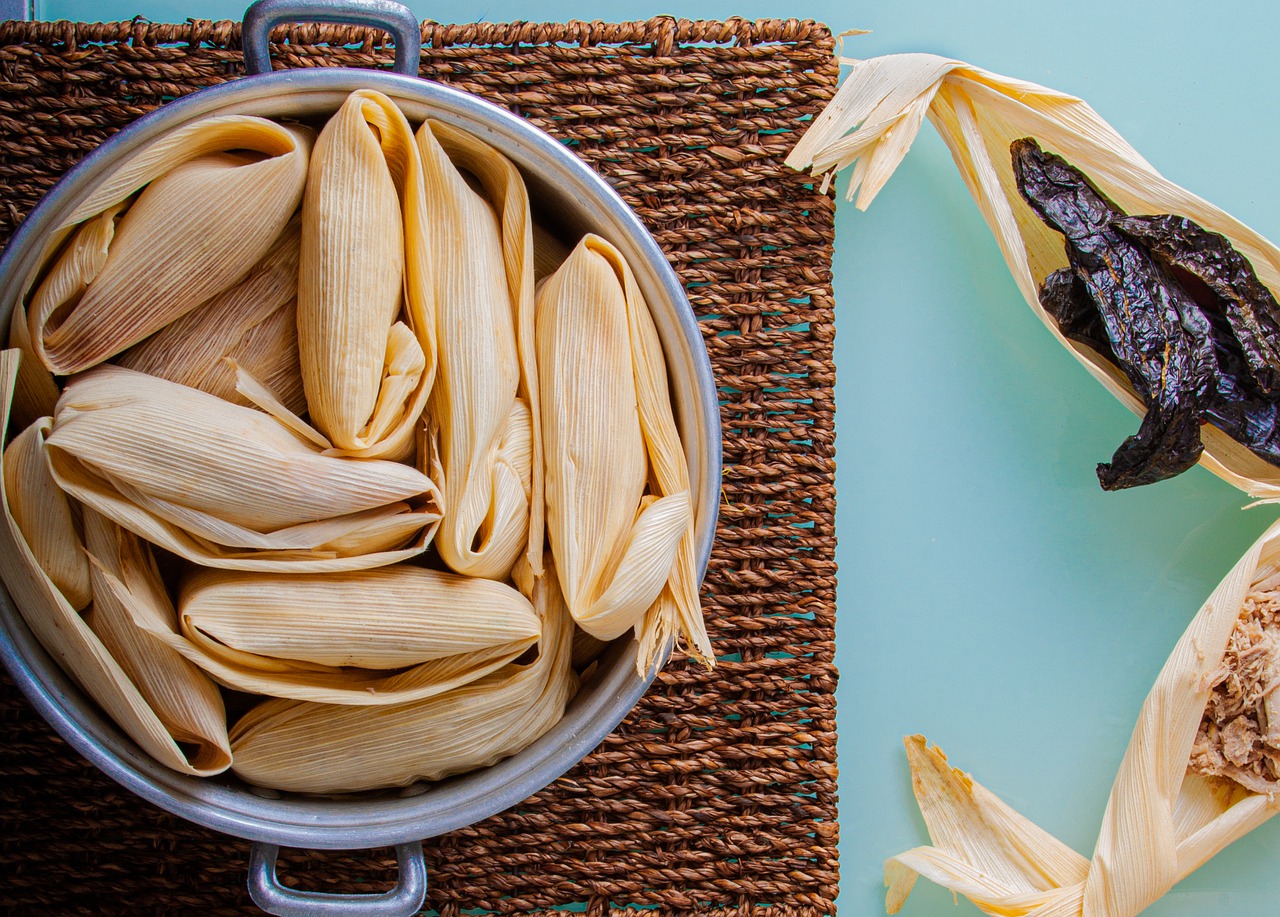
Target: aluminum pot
x,y
566,195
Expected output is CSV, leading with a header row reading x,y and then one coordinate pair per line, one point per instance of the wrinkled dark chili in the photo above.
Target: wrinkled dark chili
x,y
1174,306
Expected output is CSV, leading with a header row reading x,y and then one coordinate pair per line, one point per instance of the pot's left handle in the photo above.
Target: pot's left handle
x,y
395,18
402,901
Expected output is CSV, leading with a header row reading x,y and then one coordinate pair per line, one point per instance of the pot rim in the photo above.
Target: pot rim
x,y
604,700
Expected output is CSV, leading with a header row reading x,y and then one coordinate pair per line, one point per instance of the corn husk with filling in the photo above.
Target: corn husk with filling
x,y
228,486
67,638
484,399
251,326
364,317
323,748
1163,820
876,114
215,195
619,505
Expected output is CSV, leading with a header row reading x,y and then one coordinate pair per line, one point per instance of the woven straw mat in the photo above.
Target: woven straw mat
x,y
718,794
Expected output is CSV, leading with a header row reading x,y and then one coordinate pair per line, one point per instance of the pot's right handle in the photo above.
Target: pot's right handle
x,y
395,18
402,901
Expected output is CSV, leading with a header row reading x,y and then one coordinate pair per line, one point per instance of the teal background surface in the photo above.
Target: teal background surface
x,y
991,596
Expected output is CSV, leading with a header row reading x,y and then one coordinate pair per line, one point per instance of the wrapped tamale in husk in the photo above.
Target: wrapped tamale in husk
x,y
50,523
878,111
228,486
214,196
1193,780
364,313
323,748
251,327
184,698
36,390
366,638
484,403
67,638
619,504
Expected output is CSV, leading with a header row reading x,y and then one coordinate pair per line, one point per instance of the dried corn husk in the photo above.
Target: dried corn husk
x,y
619,508
66,636
878,110
228,486
252,326
205,217
548,252
322,748
485,397
183,697
347,638
1161,823
366,374
36,392
47,519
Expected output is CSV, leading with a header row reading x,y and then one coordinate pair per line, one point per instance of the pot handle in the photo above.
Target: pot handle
x,y
402,901
395,18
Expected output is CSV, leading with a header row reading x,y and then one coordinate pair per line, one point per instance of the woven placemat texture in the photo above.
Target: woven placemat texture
x,y
718,794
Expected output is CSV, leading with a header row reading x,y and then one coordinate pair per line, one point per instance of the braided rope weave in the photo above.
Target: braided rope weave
x,y
717,795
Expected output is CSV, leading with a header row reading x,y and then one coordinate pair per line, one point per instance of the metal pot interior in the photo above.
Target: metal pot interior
x,y
568,198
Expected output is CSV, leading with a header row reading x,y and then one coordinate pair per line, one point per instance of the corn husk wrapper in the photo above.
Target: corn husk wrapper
x,y
548,252
48,521
355,639
366,373
876,114
252,326
204,218
1162,822
619,505
485,397
321,748
127,583
227,486
68,639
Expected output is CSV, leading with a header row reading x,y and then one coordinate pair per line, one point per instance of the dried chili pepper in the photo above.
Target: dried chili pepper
x,y
1187,248
1159,336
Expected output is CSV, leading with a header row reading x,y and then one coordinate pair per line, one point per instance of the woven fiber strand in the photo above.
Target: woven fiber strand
x,y
717,795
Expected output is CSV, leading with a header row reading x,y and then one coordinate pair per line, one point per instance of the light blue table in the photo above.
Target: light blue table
x,y
991,596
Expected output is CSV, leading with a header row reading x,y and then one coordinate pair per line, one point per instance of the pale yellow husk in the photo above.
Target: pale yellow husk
x,y
127,583
619,505
364,316
228,486
204,218
251,326
321,748
1161,822
354,639
36,391
47,519
484,402
876,114
66,636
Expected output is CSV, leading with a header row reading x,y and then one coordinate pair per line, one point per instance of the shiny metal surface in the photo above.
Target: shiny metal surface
x,y
569,197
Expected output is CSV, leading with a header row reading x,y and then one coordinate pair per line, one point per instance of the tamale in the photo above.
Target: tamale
x,y
619,508
252,326
65,635
368,638
323,748
366,373
204,218
228,486
876,114
484,400
49,522
183,697
1164,819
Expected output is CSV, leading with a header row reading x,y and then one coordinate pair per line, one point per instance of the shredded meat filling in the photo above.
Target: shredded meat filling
x,y
1239,737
